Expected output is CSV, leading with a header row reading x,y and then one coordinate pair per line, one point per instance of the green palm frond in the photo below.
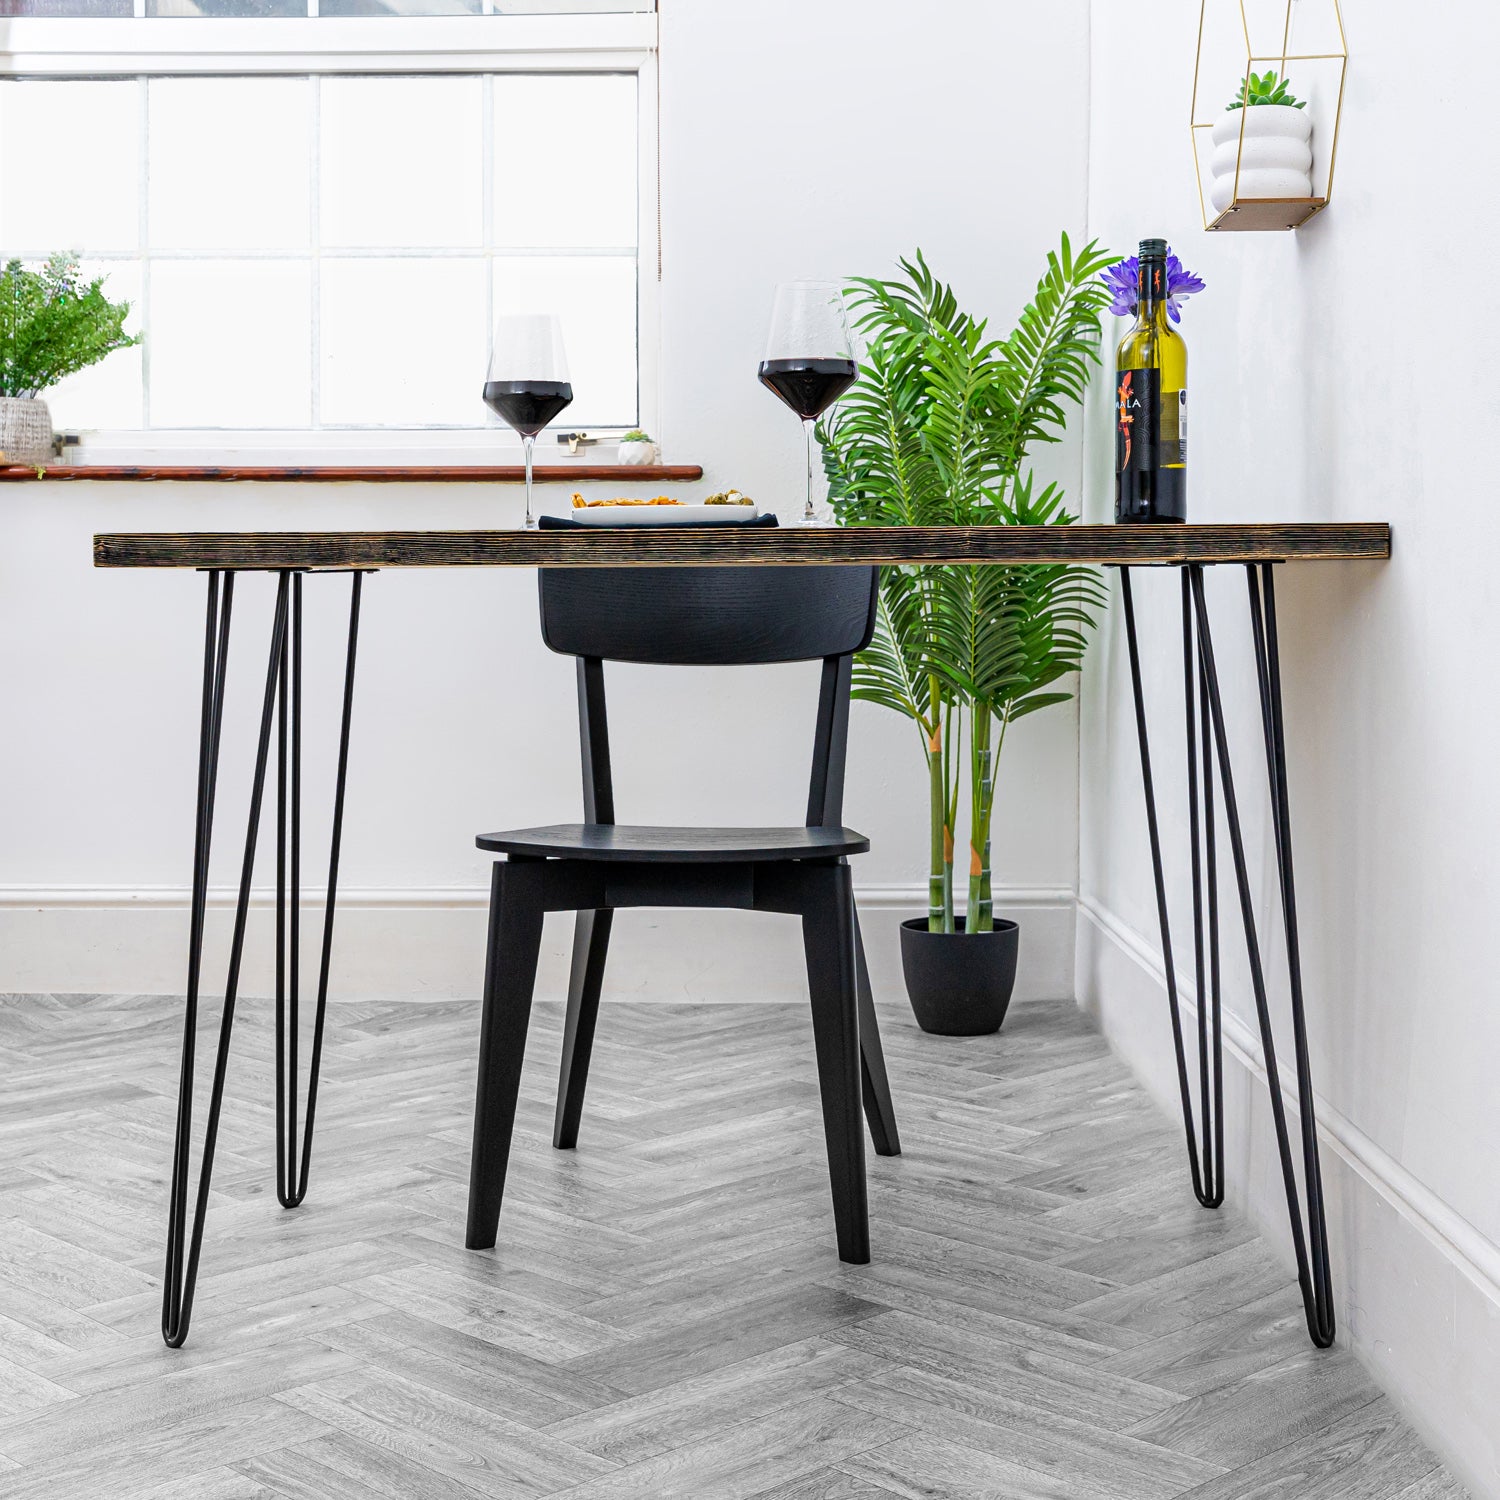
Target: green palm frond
x,y
893,670
918,303
961,369
877,469
1055,607
1055,343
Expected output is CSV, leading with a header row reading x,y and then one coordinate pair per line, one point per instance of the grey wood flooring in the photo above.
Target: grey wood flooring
x,y
1048,1315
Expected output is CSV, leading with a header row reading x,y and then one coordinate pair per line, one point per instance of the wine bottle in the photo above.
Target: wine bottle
x,y
1151,403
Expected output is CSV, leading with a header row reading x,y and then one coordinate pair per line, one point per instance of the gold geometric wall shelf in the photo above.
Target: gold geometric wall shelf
x,y
1267,165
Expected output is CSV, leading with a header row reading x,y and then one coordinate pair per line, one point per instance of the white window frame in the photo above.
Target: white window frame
x,y
184,47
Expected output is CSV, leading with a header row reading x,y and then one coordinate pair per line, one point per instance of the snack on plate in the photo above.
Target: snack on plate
x,y
579,503
729,497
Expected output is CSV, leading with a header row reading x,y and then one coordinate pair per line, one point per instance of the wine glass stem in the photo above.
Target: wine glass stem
x,y
527,444
807,514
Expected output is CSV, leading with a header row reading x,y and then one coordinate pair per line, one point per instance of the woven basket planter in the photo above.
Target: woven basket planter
x,y
25,431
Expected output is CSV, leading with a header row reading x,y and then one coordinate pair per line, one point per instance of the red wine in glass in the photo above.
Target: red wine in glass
x,y
527,405
808,386
527,384
809,360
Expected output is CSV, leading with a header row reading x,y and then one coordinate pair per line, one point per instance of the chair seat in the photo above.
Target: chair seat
x,y
636,843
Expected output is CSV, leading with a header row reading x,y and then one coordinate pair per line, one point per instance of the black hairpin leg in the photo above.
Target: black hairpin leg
x,y
283,690
293,1158
181,1276
1310,1244
1313,1270
1205,1155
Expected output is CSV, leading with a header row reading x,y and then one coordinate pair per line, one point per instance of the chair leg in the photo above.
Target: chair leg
x,y
590,949
509,977
880,1112
828,937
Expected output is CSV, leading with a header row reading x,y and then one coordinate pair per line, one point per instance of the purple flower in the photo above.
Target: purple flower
x,y
1121,277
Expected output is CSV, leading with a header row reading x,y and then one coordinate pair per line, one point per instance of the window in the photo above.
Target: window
x,y
317,220
220,9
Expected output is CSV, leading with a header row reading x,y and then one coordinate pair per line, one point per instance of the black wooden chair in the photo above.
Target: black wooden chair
x,y
688,616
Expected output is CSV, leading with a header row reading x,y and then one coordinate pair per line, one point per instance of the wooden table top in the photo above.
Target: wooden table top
x,y
730,546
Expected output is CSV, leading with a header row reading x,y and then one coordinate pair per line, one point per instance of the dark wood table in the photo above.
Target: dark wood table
x,y
668,546
294,556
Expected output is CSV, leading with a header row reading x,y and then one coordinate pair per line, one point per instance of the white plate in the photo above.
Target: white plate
x,y
656,515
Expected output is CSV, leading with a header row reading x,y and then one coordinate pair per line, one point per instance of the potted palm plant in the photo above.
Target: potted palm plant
x,y
53,323
935,433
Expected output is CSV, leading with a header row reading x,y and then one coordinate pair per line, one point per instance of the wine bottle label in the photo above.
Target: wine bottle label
x,y
1137,420
1150,432
1150,448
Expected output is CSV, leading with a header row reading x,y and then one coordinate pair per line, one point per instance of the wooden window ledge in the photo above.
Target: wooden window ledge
x,y
366,474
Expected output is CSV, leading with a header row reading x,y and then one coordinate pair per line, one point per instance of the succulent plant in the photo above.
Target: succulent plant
x,y
635,435
1265,88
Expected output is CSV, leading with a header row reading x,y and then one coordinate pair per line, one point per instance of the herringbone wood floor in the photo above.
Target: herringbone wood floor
x,y
1048,1313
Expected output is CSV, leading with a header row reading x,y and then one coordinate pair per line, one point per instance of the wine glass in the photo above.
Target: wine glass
x,y
809,359
527,384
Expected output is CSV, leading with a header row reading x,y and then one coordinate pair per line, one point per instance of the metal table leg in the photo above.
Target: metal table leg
x,y
1205,1156
1310,1244
292,1163
281,700
1313,1270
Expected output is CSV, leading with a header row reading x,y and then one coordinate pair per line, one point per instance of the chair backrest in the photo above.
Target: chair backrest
x,y
707,616
711,617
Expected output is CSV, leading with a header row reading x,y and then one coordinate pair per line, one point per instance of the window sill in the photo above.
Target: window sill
x,y
364,473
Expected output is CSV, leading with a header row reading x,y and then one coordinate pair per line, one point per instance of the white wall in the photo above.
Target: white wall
x,y
1338,373
796,140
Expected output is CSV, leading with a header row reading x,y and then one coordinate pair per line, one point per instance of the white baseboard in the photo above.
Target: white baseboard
x,y
430,942
1417,1286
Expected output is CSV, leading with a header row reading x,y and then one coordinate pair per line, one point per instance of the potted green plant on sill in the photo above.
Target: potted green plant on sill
x,y
935,433
637,447
52,324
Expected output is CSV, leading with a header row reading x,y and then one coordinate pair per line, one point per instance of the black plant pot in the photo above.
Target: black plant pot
x,y
959,985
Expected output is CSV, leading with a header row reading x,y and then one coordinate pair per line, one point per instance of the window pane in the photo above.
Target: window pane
x,y
230,163
214,8
65,8
572,7
402,162
565,161
69,166
401,8
230,343
595,298
107,394
403,342
226,7
475,7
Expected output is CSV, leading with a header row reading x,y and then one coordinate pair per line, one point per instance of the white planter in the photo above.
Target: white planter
x,y
1274,154
637,453
25,431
